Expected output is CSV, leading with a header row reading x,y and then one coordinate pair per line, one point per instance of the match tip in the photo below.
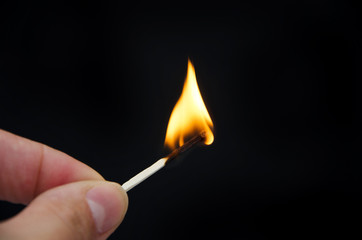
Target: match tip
x,y
203,135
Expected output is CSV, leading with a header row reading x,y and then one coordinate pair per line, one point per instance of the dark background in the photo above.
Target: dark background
x,y
282,83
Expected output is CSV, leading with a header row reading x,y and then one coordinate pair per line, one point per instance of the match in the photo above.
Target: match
x,y
146,173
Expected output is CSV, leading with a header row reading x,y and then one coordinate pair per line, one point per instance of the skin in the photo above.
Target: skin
x,y
55,187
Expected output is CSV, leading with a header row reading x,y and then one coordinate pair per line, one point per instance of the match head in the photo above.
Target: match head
x,y
203,135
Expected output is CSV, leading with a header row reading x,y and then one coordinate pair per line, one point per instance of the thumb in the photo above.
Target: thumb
x,y
79,210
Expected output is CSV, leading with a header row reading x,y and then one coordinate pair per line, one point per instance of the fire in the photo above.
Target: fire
x,y
189,116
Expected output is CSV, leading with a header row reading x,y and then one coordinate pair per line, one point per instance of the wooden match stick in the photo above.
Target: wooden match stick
x,y
140,177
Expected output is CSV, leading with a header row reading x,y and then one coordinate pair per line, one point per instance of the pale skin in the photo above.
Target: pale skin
x,y
65,198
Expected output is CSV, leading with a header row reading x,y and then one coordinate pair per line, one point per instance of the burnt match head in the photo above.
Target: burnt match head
x,y
200,138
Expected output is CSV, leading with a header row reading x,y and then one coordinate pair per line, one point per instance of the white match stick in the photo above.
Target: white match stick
x,y
140,177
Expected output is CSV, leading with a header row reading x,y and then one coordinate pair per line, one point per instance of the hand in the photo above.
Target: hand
x,y
67,199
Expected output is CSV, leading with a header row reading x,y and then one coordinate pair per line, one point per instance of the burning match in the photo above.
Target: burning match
x,y
188,118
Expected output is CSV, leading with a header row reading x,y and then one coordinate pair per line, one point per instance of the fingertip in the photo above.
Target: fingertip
x,y
108,203
123,193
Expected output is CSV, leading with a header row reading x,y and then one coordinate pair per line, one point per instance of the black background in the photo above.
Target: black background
x,y
282,83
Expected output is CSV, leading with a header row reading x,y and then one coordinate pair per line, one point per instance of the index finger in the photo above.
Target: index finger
x,y
28,168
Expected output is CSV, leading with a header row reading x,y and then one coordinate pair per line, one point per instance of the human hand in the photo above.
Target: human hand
x,y
67,199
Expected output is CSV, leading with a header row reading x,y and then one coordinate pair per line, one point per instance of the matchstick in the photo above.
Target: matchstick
x,y
140,177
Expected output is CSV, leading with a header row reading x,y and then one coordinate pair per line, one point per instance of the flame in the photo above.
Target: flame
x,y
189,116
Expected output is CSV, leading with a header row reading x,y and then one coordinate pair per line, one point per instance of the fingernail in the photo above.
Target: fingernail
x,y
108,206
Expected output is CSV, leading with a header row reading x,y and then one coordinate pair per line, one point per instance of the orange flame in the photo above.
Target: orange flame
x,y
189,116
